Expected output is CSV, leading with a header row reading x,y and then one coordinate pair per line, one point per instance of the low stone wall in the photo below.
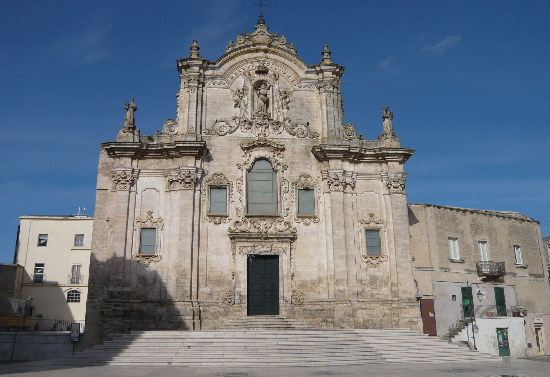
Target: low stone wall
x,y
31,346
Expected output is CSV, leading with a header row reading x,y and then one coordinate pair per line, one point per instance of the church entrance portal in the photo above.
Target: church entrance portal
x,y
263,284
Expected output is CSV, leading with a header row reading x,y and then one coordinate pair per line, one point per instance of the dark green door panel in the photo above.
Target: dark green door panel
x,y
263,284
500,301
467,302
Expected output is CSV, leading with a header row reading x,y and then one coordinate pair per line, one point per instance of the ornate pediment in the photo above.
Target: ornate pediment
x,y
261,37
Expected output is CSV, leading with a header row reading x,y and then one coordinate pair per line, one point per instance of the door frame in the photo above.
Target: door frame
x,y
242,248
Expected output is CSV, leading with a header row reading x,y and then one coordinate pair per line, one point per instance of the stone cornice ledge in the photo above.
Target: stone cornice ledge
x,y
324,152
258,235
171,149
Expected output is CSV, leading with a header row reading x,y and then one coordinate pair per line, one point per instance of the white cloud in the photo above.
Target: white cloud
x,y
441,46
387,65
84,48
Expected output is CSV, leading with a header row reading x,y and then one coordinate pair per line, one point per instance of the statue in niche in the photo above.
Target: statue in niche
x,y
263,97
129,120
387,117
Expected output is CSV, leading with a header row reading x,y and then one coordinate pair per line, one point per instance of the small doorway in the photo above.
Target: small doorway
x,y
540,339
467,302
263,285
428,316
503,345
500,301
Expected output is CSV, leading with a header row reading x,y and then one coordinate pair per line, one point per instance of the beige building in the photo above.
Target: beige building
x,y
258,200
55,254
483,266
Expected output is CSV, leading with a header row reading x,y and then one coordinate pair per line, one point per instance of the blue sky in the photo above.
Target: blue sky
x,y
468,82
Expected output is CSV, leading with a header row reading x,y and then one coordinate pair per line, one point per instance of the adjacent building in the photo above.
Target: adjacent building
x,y
485,269
54,252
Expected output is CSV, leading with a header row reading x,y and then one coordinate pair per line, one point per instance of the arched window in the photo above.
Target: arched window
x,y
73,296
262,189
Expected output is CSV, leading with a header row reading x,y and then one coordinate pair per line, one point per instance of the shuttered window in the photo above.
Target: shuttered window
x,y
218,201
373,242
453,249
147,241
262,189
306,202
483,251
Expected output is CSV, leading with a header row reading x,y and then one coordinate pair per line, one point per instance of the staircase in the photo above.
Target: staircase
x,y
243,344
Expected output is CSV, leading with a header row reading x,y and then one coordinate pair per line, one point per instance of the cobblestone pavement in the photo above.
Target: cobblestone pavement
x,y
505,368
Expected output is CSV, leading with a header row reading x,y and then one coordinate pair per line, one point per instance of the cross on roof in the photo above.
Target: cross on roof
x,y
261,4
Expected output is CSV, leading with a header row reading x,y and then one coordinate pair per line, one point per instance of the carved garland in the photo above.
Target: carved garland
x,y
396,182
340,180
123,179
148,222
182,178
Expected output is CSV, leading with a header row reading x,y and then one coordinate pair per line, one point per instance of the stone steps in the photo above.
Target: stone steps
x,y
247,343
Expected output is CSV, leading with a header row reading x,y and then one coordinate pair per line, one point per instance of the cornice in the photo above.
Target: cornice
x,y
155,150
357,154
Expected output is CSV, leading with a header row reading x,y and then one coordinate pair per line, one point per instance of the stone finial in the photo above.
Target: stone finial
x,y
194,49
326,55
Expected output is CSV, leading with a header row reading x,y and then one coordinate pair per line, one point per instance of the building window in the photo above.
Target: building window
x,y
76,277
373,242
453,249
147,241
38,273
79,240
73,296
306,202
262,189
483,251
42,239
519,256
218,201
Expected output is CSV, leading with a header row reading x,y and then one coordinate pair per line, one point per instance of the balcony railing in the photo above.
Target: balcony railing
x,y
75,279
491,311
490,269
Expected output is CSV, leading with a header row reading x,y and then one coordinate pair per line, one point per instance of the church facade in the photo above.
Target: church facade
x,y
256,200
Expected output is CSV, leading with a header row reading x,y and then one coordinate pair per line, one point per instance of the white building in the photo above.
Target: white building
x,y
55,253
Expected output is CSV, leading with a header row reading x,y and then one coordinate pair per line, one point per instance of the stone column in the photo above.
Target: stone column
x,y
405,308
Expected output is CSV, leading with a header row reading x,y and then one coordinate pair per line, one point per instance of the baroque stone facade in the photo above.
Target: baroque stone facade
x,y
258,102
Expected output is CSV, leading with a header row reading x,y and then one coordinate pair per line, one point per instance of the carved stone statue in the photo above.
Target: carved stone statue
x,y
263,98
387,117
131,108
285,100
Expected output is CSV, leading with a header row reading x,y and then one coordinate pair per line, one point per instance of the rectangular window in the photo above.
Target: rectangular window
x,y
147,241
79,240
453,249
483,251
218,201
76,278
73,296
373,242
519,257
306,202
38,273
42,239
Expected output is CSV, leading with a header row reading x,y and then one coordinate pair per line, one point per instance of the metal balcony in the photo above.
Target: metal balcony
x,y
490,269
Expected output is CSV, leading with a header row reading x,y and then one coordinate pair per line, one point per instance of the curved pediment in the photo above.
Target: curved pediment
x,y
261,47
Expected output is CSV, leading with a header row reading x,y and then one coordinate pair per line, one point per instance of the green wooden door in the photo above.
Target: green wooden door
x,y
503,345
263,285
500,301
467,302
